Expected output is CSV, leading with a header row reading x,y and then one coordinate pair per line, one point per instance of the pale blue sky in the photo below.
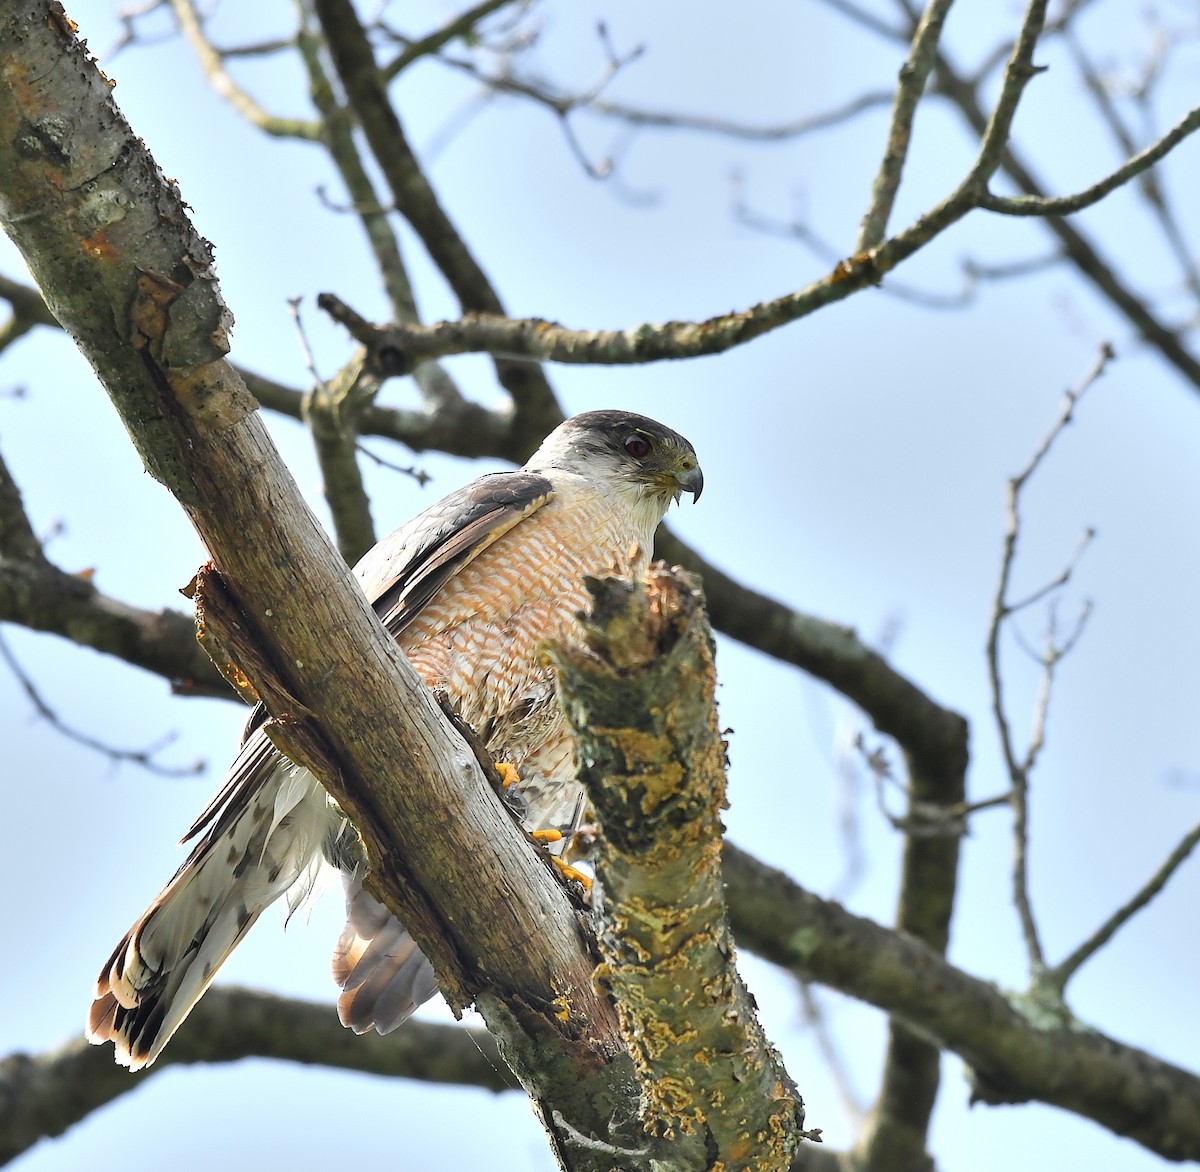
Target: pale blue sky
x,y
855,466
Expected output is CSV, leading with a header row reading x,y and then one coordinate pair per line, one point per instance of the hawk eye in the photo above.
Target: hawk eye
x,y
637,446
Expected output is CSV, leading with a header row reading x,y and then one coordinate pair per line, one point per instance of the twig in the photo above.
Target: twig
x,y
1013,1057
1148,180
867,20
212,62
302,338
797,229
560,102
129,34
436,386
462,25
922,57
1002,611
331,410
29,309
354,60
42,1095
1077,248
1058,976
1031,205
418,474
144,758
1061,580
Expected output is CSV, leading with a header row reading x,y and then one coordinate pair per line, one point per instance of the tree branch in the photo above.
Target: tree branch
x,y
1039,205
1018,767
1015,1055
43,1095
640,697
37,594
921,58
1076,247
1057,976
533,399
145,309
213,64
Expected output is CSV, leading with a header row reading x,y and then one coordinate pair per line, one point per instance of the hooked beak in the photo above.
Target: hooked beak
x,y
690,480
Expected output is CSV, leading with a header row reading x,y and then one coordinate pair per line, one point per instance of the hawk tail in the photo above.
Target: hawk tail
x,y
383,975
264,840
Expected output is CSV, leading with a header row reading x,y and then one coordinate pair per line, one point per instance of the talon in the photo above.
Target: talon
x,y
508,774
546,835
571,874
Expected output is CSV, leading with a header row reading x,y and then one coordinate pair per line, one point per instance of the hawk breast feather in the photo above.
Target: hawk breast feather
x,y
399,576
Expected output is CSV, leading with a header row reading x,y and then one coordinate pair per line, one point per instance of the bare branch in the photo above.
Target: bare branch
x,y
37,594
1019,767
436,386
1033,205
1058,975
700,123
18,541
331,411
212,62
921,58
563,103
1012,1057
1018,72
798,230
533,399
144,758
868,20
45,1094
462,26
28,310
1058,582
1077,248
418,474
1148,181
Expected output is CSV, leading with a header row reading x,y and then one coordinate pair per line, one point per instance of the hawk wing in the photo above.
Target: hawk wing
x,y
265,832
399,575
404,571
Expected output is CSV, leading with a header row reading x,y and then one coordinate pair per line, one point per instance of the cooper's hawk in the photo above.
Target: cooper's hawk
x,y
469,588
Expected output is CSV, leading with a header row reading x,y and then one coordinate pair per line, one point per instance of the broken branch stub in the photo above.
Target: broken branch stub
x,y
640,698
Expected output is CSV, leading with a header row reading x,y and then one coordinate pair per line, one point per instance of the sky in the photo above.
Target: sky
x,y
855,467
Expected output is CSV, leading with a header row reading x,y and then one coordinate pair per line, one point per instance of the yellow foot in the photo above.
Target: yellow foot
x,y
571,874
508,774
546,835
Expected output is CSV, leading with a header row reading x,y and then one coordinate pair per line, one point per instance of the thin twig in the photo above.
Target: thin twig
x,y
462,25
1031,205
213,64
1061,973
799,230
1002,610
418,474
560,102
1061,580
354,62
302,337
922,57
144,758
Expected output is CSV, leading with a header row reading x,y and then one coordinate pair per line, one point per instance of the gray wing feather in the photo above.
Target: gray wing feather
x,y
382,973
399,576
269,824
405,570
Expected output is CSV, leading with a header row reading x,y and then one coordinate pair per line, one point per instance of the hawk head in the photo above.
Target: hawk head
x,y
629,453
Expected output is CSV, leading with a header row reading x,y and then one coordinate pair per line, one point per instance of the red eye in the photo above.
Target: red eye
x,y
637,446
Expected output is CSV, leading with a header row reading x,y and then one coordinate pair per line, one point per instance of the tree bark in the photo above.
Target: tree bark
x,y
108,241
